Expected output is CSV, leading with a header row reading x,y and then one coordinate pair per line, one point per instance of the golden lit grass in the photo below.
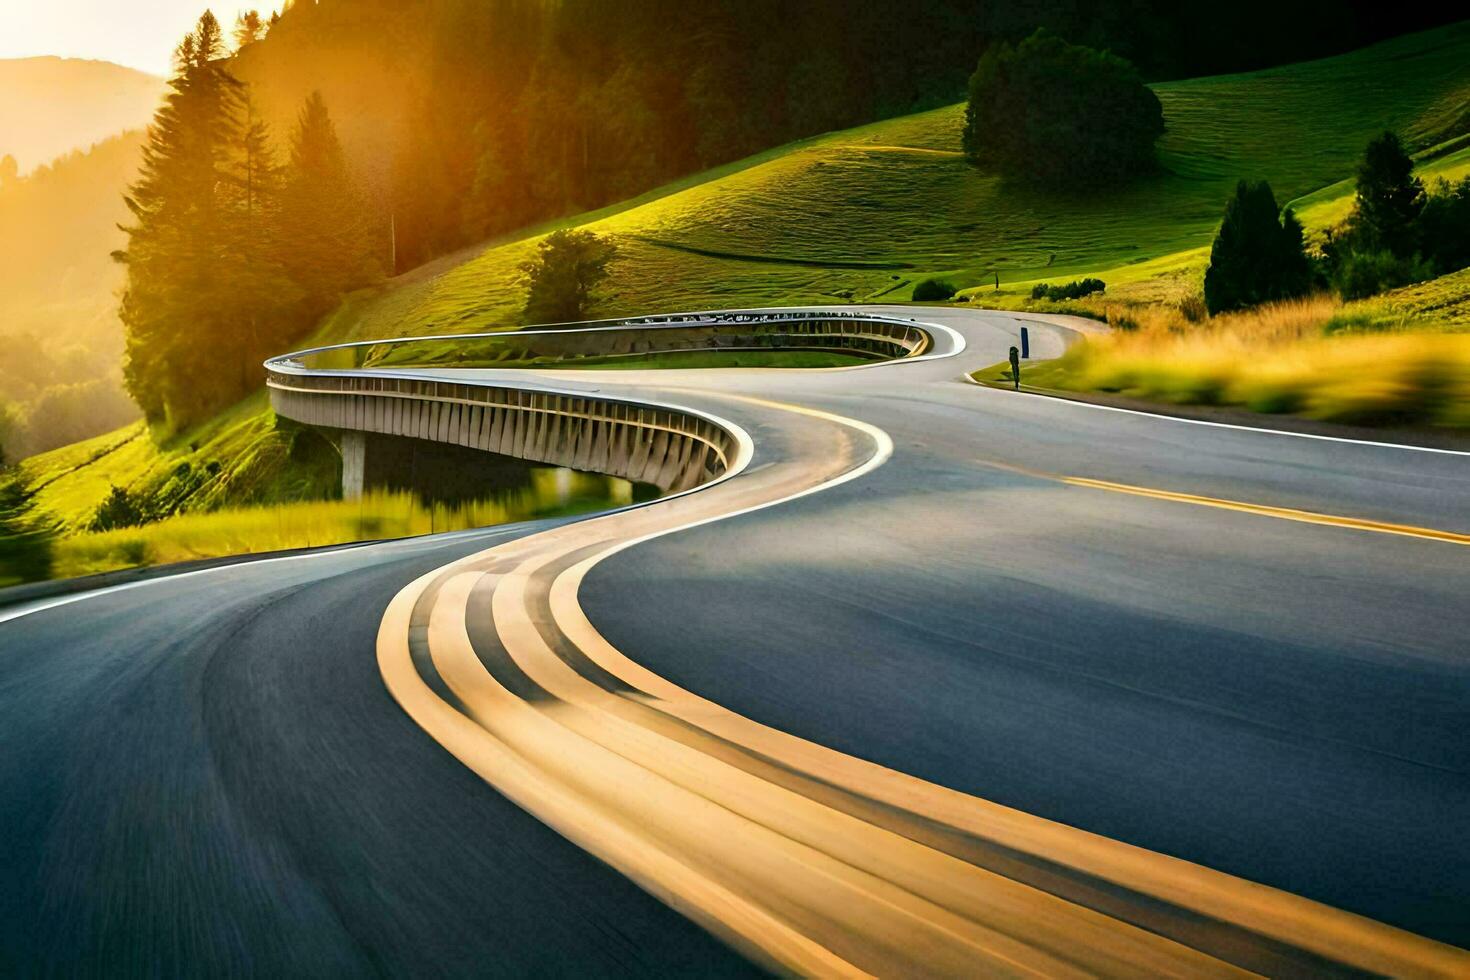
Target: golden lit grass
x,y
1276,359
254,530
250,453
1443,302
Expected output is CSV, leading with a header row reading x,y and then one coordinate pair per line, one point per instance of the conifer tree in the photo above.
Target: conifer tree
x,y
494,202
327,241
1295,274
249,28
263,296
208,296
1389,197
1257,256
174,295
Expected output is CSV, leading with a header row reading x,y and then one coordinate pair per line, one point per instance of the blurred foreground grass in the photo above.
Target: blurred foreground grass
x,y
379,514
1312,358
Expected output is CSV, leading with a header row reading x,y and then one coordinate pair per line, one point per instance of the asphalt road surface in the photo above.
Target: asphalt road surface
x,y
1243,649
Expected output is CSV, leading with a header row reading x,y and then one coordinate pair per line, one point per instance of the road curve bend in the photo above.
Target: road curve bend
x,y
934,679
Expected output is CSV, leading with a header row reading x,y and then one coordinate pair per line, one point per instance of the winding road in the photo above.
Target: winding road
x,y
939,679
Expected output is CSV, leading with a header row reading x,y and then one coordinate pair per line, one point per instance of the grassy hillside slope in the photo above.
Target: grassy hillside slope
x,y
862,214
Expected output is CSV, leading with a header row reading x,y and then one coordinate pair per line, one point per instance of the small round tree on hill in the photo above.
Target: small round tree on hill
x,y
1060,113
1258,255
568,266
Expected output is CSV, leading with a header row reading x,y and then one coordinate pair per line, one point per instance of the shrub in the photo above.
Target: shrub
x,y
1060,113
1072,290
120,509
933,289
1122,322
1275,358
25,544
1443,226
1363,274
568,266
1258,255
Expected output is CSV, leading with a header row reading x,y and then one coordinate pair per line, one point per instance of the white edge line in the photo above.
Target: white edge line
x,y
745,450
324,551
1222,425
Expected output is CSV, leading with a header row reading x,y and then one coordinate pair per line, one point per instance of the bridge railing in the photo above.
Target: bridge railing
x,y
369,386
872,338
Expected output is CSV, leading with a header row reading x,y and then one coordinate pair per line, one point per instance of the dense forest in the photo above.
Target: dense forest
x,y
233,249
467,118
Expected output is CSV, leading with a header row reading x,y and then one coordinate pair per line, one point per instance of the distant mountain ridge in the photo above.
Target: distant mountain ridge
x,y
50,106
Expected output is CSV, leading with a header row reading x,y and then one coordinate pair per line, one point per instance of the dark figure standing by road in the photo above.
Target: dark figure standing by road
x,y
1016,368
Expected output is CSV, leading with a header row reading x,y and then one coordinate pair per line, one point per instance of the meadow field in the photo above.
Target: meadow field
x,y
314,523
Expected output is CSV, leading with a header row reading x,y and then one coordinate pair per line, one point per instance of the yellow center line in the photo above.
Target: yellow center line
x,y
1282,513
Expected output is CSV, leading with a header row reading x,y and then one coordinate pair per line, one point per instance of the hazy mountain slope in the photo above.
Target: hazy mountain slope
x,y
50,106
62,380
58,228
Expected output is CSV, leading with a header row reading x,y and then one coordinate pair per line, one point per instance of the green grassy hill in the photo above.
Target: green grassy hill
x,y
860,215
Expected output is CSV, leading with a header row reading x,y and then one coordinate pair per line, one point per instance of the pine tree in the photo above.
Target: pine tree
x,y
495,202
326,241
173,297
628,149
1295,273
1257,256
207,297
1389,197
264,319
249,28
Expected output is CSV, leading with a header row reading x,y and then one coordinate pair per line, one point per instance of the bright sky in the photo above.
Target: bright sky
x,y
137,33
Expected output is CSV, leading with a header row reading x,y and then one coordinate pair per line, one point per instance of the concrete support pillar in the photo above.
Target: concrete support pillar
x,y
354,463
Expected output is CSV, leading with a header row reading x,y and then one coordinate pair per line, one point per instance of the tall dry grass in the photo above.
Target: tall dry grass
x,y
380,514
1279,358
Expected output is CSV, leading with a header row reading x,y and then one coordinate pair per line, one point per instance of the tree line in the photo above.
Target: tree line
x,y
1399,232
473,118
233,251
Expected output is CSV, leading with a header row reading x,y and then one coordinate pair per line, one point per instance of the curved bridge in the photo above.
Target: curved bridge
x,y
914,677
671,447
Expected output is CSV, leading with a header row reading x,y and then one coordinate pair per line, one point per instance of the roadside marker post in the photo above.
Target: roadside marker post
x,y
1025,343
1016,368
